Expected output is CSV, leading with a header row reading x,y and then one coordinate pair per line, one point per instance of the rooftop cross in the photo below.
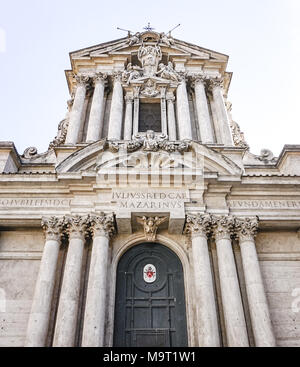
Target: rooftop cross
x,y
148,27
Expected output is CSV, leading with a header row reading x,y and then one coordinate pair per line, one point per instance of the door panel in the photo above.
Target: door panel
x,y
150,313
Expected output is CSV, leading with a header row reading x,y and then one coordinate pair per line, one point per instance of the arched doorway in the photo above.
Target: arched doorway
x,y
150,299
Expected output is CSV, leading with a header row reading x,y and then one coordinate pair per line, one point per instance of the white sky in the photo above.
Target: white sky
x,y
262,38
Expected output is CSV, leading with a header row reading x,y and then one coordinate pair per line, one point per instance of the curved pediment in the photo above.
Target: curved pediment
x,y
103,156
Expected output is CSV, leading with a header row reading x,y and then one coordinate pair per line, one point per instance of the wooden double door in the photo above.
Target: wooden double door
x,y
150,299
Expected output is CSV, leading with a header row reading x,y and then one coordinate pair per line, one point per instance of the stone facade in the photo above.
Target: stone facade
x,y
67,216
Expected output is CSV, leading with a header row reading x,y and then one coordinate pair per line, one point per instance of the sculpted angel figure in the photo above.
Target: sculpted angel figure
x,y
167,72
131,72
151,225
167,40
134,39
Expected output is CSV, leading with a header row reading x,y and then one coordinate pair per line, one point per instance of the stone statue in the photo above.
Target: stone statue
x,y
166,40
151,142
168,72
134,39
131,72
151,225
149,56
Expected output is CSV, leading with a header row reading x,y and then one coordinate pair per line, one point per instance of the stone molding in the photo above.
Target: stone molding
x,y
102,225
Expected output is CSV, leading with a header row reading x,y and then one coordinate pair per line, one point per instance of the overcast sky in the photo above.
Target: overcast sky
x,y
262,38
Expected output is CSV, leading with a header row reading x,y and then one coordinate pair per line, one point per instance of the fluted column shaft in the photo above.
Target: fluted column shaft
x,y
204,123
96,114
221,112
128,118
183,112
235,324
77,110
171,119
94,318
208,331
258,305
66,321
38,324
116,111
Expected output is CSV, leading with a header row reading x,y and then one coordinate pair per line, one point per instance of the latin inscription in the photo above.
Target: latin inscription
x,y
265,204
36,203
150,200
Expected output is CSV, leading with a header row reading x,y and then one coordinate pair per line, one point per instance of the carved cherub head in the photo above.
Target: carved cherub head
x,y
150,134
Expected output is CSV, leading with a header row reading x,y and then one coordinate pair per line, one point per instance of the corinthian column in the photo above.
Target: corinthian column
x,y
38,324
221,112
204,123
77,109
208,331
235,323
66,321
128,118
94,318
259,311
97,109
116,111
183,112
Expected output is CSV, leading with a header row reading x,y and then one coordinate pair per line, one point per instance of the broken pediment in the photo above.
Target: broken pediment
x,y
194,159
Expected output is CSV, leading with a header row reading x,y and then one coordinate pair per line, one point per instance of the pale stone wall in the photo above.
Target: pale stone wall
x,y
20,254
279,255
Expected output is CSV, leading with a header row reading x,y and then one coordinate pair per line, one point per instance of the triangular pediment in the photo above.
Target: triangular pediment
x,y
125,46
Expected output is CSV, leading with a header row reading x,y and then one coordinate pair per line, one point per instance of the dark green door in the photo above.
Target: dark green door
x,y
150,301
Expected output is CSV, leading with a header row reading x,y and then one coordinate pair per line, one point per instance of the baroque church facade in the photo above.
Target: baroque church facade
x,y
148,222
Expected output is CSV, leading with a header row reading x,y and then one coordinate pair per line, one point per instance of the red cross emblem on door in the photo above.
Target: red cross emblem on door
x,y
149,273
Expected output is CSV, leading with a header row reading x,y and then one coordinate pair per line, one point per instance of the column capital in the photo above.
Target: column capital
x,y
198,78
99,78
198,225
103,225
117,76
82,80
246,228
214,83
129,98
183,76
222,227
53,228
77,226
